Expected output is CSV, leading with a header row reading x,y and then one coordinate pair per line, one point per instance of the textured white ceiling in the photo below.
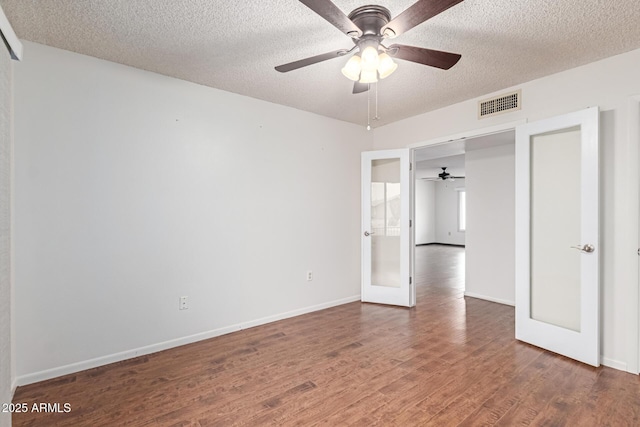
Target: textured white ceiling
x,y
234,45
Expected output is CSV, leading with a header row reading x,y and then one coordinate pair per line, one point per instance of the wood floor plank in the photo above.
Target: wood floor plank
x,y
451,360
512,391
556,380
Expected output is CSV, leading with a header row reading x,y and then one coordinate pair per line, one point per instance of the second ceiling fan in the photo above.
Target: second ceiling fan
x,y
444,176
368,26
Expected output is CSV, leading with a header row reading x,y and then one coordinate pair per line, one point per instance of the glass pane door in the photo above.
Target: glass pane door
x,y
557,235
386,214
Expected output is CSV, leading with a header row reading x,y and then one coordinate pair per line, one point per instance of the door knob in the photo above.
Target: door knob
x,y
586,248
367,234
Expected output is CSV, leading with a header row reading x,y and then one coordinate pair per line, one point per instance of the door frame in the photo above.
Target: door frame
x,y
473,133
633,240
444,140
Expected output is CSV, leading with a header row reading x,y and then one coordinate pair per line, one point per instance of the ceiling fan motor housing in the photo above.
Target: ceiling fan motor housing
x,y
370,19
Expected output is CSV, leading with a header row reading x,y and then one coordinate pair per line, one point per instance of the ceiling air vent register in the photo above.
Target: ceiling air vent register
x,y
499,104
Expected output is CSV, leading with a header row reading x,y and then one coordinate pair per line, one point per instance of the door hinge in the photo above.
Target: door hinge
x,y
410,223
410,279
410,166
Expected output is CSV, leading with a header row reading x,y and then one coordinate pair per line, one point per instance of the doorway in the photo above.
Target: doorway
x,y
484,228
506,162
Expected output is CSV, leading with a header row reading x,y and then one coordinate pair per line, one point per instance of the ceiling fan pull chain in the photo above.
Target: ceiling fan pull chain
x,y
376,116
369,107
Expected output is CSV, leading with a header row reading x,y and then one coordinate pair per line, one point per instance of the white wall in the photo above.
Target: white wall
x,y
446,223
489,257
608,84
6,291
425,214
437,212
133,189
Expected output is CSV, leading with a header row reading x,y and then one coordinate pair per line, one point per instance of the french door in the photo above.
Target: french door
x,y
387,249
557,235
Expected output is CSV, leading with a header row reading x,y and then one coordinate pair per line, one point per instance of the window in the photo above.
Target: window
x,y
462,210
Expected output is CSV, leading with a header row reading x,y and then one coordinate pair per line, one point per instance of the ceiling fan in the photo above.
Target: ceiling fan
x,y
368,26
444,176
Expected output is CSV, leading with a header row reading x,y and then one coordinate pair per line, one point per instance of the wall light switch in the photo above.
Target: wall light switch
x,y
184,303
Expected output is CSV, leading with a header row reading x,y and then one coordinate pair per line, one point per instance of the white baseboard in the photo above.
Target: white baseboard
x,y
492,299
615,364
141,351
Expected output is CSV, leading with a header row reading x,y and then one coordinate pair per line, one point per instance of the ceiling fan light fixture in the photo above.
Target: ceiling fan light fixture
x,y
387,66
370,58
369,76
368,26
352,68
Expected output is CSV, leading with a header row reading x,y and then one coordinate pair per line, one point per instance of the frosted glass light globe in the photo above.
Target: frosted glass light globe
x,y
370,59
351,69
387,66
369,76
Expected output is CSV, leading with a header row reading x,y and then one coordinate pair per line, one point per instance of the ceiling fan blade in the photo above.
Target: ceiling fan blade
x,y
309,61
433,58
334,15
416,14
360,87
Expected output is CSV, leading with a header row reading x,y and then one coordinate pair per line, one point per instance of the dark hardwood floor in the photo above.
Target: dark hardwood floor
x,y
449,361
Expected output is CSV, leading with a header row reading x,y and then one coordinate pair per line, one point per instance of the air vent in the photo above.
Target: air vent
x,y
499,104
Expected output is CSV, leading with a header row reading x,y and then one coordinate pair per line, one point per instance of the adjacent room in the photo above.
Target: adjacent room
x,y
440,209
312,211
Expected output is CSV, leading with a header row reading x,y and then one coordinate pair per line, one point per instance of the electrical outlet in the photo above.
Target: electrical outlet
x,y
309,276
184,303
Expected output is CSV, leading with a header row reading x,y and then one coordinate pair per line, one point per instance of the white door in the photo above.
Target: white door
x,y
557,246
387,250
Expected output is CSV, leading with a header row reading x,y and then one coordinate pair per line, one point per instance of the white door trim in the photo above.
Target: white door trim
x,y
473,133
633,243
412,226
